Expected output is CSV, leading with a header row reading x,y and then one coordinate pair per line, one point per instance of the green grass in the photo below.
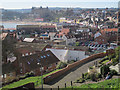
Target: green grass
x,y
104,62
112,83
36,80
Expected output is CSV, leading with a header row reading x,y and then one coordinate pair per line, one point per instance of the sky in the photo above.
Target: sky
x,y
22,4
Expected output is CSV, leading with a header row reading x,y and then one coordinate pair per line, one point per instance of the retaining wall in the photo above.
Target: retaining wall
x,y
73,65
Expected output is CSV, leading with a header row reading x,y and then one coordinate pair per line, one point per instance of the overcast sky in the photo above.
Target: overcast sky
x,y
21,4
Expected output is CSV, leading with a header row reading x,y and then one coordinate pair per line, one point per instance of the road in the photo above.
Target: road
x,y
72,75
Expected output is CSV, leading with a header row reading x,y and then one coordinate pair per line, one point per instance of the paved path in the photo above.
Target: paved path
x,y
72,75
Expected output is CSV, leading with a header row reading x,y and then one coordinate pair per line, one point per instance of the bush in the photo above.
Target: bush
x,y
71,61
31,73
93,77
91,67
104,59
61,65
81,80
104,70
113,72
87,76
98,75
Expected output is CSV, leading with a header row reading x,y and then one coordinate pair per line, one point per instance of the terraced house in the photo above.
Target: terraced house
x,y
44,60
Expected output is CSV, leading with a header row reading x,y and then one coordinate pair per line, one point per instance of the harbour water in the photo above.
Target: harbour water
x,y
10,25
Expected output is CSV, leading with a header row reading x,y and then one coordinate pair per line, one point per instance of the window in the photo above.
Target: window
x,y
20,70
28,62
48,55
44,56
26,54
41,56
23,55
2,76
5,75
56,63
38,60
42,68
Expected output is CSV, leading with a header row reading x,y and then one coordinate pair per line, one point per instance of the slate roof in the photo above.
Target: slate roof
x,y
45,58
7,68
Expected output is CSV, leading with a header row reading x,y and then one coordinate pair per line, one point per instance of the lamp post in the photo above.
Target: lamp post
x,y
41,74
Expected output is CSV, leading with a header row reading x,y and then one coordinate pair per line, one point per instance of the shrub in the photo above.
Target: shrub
x,y
104,70
61,65
93,77
91,67
31,73
82,75
104,59
113,72
71,61
98,75
77,81
87,76
81,80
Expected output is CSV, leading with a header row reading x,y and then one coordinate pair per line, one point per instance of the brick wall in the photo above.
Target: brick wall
x,y
71,66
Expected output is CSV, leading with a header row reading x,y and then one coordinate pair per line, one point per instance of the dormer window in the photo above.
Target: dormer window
x,y
26,54
30,53
23,55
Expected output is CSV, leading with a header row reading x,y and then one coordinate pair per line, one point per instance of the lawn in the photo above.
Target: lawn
x,y
104,62
112,83
36,80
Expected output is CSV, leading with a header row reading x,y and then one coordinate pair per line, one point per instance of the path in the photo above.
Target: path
x,y
72,75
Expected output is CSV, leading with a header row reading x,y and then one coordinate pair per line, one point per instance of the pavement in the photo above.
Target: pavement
x,y
72,75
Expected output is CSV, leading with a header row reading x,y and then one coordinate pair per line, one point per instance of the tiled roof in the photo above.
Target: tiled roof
x,y
24,50
65,30
35,46
110,30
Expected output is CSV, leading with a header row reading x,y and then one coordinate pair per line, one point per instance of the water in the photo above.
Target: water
x,y
10,25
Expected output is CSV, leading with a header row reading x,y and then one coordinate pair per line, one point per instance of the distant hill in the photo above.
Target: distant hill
x,y
20,10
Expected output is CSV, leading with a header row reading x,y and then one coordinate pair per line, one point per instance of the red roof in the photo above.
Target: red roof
x,y
9,28
110,30
65,30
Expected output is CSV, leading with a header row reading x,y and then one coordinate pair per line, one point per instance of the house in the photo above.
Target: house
x,y
65,31
3,36
110,34
99,38
8,72
24,51
45,61
44,36
48,28
52,35
66,55
33,46
70,39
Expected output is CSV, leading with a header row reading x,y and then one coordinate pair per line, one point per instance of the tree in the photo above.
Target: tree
x,y
104,70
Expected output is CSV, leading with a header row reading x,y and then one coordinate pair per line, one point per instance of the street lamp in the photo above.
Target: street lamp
x,y
41,73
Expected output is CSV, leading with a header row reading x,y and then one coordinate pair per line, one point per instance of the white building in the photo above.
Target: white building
x,y
67,55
